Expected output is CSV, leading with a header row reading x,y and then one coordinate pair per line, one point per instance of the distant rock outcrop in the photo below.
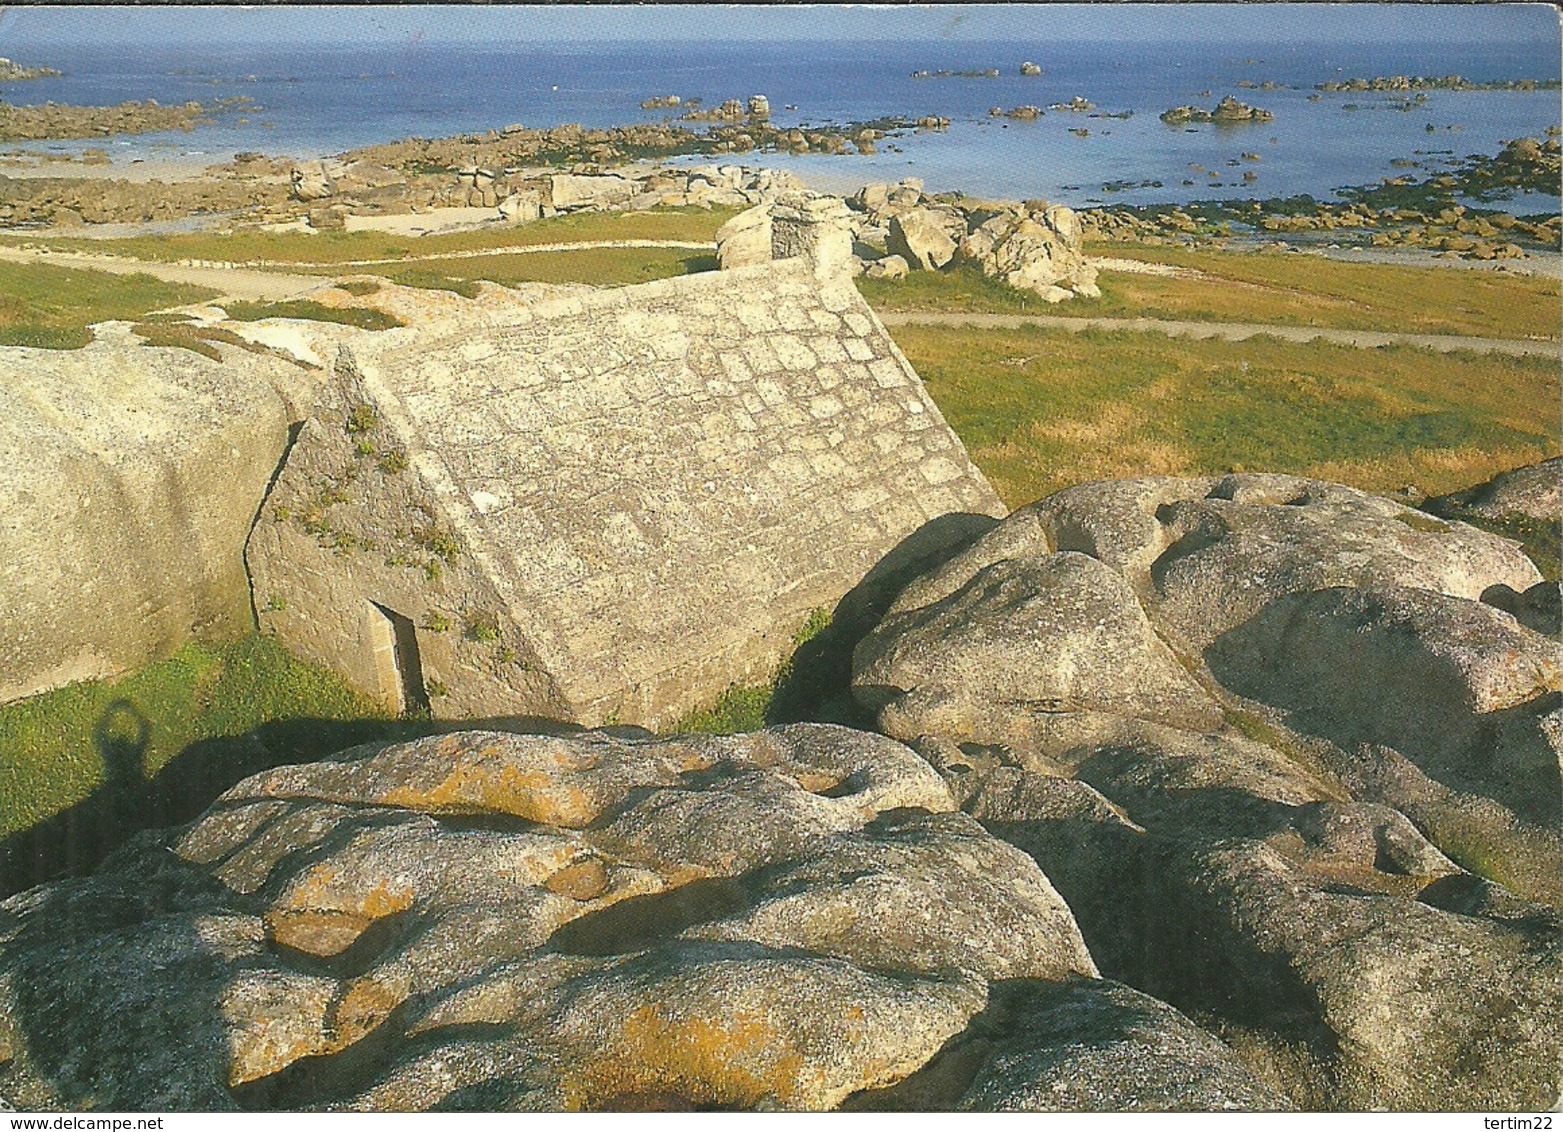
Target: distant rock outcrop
x,y
1033,246
1228,111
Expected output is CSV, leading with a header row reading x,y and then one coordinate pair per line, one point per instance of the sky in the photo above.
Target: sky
x,y
27,27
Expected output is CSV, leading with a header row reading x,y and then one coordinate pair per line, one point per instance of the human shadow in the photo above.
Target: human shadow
x,y
76,840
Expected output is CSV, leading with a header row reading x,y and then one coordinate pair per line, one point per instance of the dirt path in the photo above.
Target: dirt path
x,y
1230,331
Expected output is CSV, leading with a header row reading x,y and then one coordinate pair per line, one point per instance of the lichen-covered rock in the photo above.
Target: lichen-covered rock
x,y
1094,1046
1349,863
1055,634
486,920
1534,491
1348,957
1208,554
1458,687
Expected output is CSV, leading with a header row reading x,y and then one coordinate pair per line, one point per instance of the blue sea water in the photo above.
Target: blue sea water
x,y
323,100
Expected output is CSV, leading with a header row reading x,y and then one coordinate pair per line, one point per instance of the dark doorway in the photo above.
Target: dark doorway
x,y
408,674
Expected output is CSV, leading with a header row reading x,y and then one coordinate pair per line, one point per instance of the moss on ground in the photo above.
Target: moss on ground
x,y
362,317
749,707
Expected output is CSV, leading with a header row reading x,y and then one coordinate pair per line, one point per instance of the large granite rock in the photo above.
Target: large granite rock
x,y
1343,850
497,921
1459,687
1209,554
1534,491
1079,1046
129,478
1341,953
569,192
745,240
1051,637
921,240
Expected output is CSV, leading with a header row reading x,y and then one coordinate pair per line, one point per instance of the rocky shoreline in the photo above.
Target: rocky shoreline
x,y
17,73
1398,213
416,174
50,122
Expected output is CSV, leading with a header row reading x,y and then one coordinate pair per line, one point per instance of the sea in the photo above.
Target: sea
x,y
324,99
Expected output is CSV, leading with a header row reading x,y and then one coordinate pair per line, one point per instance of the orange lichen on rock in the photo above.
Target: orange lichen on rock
x,y
363,1008
738,1061
532,795
318,917
583,880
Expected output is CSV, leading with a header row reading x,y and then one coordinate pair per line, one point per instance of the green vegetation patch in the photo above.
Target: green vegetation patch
x,y
1305,290
364,318
1286,290
51,307
598,267
749,707
180,729
1042,409
959,288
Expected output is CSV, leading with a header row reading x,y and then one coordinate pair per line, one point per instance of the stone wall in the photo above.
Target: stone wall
x,y
644,491
129,478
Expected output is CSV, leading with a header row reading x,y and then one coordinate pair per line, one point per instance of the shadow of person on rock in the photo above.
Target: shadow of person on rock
x,y
77,838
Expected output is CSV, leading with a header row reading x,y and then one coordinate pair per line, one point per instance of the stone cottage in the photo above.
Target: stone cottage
x,y
602,505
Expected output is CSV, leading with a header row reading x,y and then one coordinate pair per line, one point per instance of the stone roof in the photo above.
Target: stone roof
x,y
659,482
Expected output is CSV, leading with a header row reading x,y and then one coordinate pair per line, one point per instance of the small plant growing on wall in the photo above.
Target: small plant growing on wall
x,y
361,418
482,628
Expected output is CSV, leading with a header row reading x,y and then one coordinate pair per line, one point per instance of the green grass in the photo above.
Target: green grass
x,y
599,267
749,707
362,317
53,746
1312,291
51,307
328,248
1291,290
1040,410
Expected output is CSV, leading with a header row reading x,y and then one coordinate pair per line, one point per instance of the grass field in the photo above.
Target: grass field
x,y
1040,410
51,307
600,267
326,248
1294,290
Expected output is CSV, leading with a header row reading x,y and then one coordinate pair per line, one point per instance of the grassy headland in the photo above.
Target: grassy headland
x,y
47,306
1291,290
1042,409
